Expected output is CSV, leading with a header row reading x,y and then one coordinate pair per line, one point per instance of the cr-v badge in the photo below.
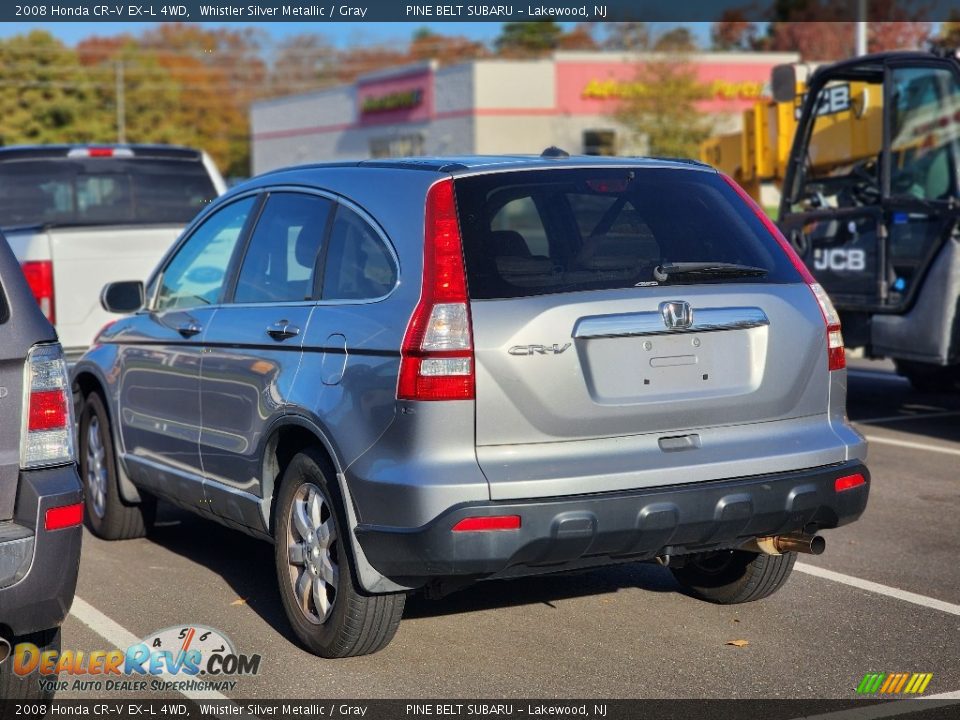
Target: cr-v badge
x,y
554,349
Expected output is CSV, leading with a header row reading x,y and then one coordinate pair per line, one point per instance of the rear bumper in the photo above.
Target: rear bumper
x,y
39,577
582,531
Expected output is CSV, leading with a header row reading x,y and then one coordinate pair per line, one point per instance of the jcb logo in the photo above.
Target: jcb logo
x,y
839,259
830,101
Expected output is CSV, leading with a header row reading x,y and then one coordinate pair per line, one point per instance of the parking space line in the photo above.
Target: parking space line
x,y
912,445
103,626
120,638
870,586
890,709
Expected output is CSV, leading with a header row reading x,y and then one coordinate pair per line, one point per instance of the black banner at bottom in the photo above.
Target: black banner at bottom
x,y
917,709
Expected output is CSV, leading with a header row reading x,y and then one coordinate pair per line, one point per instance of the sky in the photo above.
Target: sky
x,y
342,34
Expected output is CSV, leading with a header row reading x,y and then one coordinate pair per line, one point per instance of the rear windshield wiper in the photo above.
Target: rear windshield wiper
x,y
661,273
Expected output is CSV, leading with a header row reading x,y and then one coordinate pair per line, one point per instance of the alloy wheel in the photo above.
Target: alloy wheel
x,y
312,553
96,474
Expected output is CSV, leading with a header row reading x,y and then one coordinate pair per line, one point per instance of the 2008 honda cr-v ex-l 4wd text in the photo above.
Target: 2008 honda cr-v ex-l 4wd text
x,y
425,372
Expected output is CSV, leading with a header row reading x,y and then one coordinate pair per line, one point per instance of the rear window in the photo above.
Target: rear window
x,y
536,232
102,191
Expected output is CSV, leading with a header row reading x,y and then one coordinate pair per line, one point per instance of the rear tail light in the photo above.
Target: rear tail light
x,y
483,524
848,482
39,274
62,517
836,355
437,360
47,437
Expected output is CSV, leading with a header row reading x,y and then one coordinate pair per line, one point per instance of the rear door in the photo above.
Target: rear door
x,y
590,367
253,346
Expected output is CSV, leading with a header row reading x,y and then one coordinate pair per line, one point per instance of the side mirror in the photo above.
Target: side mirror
x,y
122,297
783,83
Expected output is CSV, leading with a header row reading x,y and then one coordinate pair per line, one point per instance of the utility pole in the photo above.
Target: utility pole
x,y
861,27
121,105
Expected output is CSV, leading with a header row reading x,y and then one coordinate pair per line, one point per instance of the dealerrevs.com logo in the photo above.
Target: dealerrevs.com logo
x,y
182,658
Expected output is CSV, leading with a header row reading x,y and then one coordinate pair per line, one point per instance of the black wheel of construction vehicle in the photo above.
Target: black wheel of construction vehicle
x,y
731,577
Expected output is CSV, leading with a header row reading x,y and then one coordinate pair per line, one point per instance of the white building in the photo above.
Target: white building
x,y
489,106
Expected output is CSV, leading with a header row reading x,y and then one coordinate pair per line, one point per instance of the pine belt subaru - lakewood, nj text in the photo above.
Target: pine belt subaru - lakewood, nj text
x,y
420,373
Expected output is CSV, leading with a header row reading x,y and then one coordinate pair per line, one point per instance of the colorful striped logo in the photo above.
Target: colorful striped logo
x,y
893,683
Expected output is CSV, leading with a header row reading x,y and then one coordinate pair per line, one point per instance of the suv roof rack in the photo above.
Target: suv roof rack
x,y
554,152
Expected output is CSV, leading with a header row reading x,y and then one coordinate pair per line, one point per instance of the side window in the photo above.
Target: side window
x,y
282,255
923,149
196,273
359,266
842,161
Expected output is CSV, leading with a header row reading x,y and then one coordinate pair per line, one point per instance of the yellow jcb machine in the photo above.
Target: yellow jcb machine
x,y
867,156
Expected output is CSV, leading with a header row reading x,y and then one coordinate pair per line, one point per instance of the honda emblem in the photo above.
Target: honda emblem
x,y
677,314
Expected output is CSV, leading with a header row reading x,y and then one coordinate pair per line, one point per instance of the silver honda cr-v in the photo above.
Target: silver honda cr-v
x,y
422,373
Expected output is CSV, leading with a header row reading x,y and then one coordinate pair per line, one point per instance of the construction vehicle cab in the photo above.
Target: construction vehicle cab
x,y
871,202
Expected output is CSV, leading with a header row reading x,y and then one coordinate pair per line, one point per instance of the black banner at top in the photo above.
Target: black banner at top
x,y
318,11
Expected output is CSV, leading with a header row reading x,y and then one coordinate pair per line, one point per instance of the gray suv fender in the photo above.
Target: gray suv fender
x,y
370,580
87,372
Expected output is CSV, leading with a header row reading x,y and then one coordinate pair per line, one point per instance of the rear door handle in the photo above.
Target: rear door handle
x,y
189,329
282,330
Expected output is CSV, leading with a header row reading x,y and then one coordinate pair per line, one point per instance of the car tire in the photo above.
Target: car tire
x,y
330,614
27,687
107,514
735,576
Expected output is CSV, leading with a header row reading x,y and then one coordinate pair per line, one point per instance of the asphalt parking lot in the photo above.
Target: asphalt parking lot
x,y
885,597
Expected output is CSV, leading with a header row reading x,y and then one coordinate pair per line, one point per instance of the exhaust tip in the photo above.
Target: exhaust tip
x,y
4,649
779,544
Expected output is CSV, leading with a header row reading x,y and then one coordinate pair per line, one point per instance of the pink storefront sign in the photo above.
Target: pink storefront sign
x,y
589,88
397,99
